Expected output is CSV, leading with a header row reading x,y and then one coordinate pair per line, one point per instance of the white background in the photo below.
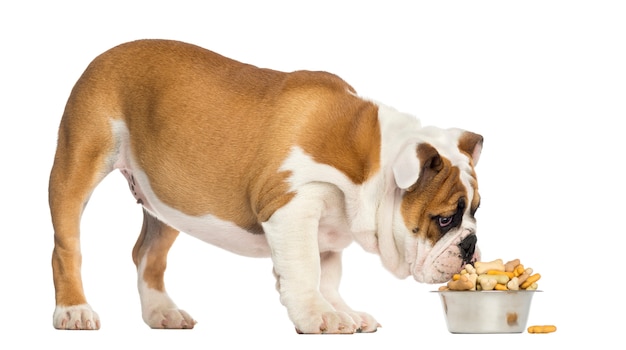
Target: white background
x,y
543,81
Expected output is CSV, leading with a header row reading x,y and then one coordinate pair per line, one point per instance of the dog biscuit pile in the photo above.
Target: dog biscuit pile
x,y
494,275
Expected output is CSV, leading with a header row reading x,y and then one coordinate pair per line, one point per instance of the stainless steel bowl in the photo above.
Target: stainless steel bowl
x,y
486,311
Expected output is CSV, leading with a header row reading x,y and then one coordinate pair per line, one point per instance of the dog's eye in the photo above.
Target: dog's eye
x,y
445,221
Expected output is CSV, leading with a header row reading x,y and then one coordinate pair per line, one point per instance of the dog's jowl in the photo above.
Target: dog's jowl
x,y
290,166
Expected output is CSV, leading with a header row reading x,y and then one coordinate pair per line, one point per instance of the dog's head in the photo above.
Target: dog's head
x,y
436,199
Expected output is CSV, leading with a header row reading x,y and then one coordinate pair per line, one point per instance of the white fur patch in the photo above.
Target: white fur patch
x,y
75,317
311,222
360,200
157,308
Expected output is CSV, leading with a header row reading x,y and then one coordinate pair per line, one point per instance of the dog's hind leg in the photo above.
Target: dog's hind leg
x,y
150,256
82,160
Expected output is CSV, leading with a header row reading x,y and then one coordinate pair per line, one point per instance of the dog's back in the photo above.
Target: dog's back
x,y
179,93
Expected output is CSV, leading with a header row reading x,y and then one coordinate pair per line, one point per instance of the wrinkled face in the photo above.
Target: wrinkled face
x,y
437,211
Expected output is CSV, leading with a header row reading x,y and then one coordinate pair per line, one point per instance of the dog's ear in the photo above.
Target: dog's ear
x,y
406,168
411,161
472,144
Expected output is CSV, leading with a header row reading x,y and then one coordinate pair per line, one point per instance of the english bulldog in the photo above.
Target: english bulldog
x,y
291,166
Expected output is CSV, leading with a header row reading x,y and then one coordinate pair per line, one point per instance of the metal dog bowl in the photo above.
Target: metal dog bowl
x,y
486,311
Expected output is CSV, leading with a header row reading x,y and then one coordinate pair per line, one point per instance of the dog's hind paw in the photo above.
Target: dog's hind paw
x,y
170,319
75,317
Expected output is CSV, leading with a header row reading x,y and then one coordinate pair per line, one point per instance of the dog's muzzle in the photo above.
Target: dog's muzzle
x,y
467,248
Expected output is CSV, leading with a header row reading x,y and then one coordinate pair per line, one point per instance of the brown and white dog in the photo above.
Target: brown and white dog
x,y
292,166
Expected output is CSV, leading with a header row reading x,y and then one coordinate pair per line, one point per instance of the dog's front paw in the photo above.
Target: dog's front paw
x,y
366,323
169,318
330,322
79,317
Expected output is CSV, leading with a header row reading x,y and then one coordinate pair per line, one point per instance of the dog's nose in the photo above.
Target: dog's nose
x,y
467,248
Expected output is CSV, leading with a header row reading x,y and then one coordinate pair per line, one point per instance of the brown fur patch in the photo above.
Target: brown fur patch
x,y
436,193
155,241
211,132
344,133
83,145
468,142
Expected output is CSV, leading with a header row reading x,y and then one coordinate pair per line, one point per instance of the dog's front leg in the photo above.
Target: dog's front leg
x,y
329,286
292,233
